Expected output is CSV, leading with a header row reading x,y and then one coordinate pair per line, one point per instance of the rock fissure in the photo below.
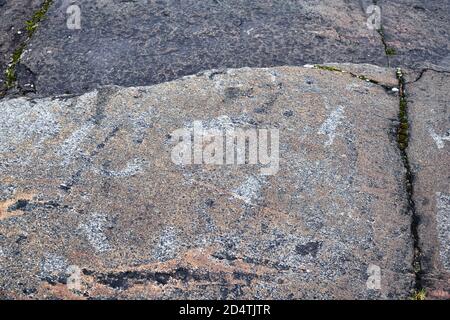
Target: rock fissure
x,y
389,51
403,140
423,71
353,74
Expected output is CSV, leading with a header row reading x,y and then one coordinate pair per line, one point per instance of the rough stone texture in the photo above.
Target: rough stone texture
x,y
13,14
144,42
419,32
429,155
88,181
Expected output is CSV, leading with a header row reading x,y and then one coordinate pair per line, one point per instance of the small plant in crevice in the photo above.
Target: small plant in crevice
x,y
359,76
403,140
328,68
10,73
419,295
38,16
390,51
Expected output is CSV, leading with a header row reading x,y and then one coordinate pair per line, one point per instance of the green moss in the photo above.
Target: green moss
x,y
391,51
403,139
31,26
419,295
334,69
10,72
328,68
38,16
403,128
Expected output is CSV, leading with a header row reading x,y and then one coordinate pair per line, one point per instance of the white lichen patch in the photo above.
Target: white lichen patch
x,y
93,229
69,148
22,120
132,168
222,123
52,264
168,245
439,140
331,123
250,190
443,226
352,86
273,74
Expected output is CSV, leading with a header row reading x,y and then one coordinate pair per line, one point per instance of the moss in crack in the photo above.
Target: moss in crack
x,y
419,295
402,132
328,68
10,72
31,27
403,140
37,17
389,51
359,76
403,128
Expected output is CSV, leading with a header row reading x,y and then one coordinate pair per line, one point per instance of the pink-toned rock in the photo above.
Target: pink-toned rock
x,y
89,192
429,155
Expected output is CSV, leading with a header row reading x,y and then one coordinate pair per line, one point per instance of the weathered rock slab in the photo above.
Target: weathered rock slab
x,y
417,32
132,43
89,191
429,155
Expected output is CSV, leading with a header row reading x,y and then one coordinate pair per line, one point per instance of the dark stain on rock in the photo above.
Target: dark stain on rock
x,y
247,277
21,239
310,248
224,256
261,110
209,203
288,113
309,80
126,279
29,291
103,97
26,205
232,93
21,204
266,263
182,274
215,73
65,187
162,277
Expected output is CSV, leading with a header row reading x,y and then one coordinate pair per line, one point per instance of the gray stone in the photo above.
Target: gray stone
x,y
89,190
429,155
419,33
143,42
